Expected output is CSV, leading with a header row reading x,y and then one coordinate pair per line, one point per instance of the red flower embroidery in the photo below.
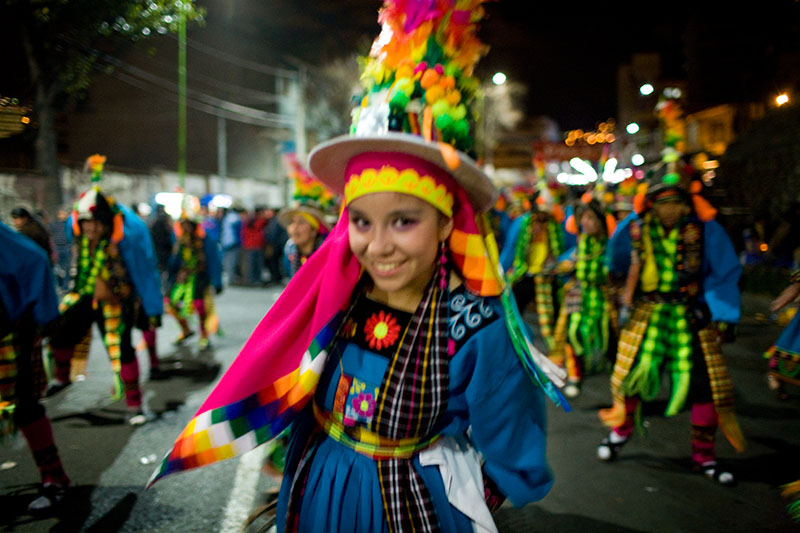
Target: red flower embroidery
x,y
382,330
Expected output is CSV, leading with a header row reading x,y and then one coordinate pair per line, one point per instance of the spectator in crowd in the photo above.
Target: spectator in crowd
x,y
62,248
231,243
253,245
163,239
276,236
33,228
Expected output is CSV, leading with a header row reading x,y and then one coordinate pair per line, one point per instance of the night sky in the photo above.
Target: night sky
x,y
567,53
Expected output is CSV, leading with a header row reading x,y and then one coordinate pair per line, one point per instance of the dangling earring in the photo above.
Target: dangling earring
x,y
443,281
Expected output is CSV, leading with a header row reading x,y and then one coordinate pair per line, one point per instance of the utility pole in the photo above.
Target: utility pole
x,y
182,98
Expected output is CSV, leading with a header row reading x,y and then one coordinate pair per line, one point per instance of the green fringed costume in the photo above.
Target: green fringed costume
x,y
586,323
531,248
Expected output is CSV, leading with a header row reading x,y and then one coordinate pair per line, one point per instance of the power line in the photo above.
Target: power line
x,y
239,62
202,101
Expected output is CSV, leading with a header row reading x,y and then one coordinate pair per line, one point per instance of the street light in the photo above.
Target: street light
x,y
632,128
499,78
781,99
637,160
646,89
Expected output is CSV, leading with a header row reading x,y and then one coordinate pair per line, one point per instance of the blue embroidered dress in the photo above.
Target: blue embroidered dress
x,y
335,488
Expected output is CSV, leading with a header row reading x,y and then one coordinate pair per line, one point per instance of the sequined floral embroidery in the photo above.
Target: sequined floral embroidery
x,y
360,403
364,404
381,330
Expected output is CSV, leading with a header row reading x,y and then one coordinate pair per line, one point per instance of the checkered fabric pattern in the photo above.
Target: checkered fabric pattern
x,y
667,341
232,429
471,254
8,380
721,386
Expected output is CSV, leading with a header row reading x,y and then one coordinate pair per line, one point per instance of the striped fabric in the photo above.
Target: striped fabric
x,y
545,308
233,429
721,386
412,399
370,443
630,340
8,381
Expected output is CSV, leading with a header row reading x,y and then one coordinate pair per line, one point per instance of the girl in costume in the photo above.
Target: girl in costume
x,y
586,325
28,304
784,368
304,219
194,268
397,335
681,285
784,355
533,243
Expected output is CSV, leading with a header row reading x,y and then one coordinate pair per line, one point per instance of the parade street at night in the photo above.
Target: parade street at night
x,y
649,488
394,266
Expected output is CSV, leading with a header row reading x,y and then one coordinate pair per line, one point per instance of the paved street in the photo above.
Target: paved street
x,y
649,488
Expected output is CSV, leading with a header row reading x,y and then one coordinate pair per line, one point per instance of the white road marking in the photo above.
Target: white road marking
x,y
243,493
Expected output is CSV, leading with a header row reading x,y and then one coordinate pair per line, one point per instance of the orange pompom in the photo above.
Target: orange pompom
x,y
429,79
705,211
119,229
695,187
611,224
448,82
558,213
571,226
76,227
639,203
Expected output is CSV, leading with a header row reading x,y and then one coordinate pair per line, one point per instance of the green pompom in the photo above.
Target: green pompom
x,y
451,69
441,107
671,179
444,122
399,100
459,112
461,129
405,85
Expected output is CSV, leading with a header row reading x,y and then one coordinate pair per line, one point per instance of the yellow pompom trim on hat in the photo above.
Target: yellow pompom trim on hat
x,y
408,181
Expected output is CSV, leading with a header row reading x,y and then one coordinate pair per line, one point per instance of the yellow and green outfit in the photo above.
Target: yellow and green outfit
x,y
686,281
587,320
534,241
115,316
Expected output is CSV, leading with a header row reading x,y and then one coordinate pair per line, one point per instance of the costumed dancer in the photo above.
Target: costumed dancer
x,y
533,244
111,277
784,355
397,335
304,218
195,268
585,333
682,289
28,304
784,368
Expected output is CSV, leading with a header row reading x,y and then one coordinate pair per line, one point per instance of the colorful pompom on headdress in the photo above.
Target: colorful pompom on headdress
x,y
311,198
419,74
664,185
94,204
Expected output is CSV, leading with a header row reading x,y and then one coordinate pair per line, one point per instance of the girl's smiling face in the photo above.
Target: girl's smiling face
x,y
396,239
